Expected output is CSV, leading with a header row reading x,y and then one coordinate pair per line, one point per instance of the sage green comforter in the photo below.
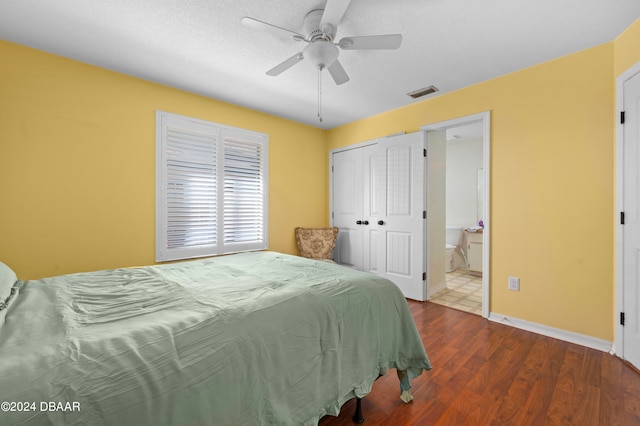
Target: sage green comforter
x,y
248,339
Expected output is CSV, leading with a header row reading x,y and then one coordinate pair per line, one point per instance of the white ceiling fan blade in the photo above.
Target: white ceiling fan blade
x,y
338,73
388,41
333,12
270,28
282,67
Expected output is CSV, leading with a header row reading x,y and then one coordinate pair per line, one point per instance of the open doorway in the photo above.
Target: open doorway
x,y
466,230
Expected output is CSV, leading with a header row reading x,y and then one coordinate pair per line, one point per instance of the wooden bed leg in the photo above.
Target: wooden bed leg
x,y
357,417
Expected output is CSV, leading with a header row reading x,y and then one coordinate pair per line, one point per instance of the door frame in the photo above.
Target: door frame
x,y
618,344
485,117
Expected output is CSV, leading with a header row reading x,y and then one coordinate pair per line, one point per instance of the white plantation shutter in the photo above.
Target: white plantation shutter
x,y
244,195
211,185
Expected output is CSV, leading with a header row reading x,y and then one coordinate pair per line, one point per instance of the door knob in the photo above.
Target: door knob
x,y
381,222
366,222
358,222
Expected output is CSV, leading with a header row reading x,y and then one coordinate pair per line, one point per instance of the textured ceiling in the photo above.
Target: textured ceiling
x,y
200,46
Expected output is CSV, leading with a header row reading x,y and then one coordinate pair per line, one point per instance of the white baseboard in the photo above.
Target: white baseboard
x,y
557,333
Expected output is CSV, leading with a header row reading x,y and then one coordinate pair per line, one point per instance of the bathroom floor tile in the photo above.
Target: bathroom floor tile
x,y
463,292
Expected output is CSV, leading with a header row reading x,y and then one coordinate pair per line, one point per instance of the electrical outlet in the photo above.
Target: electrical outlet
x,y
514,283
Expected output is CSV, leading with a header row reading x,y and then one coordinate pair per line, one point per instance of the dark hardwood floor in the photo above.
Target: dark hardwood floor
x,y
485,373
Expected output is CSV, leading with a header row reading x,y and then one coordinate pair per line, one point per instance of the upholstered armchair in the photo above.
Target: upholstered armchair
x,y
316,243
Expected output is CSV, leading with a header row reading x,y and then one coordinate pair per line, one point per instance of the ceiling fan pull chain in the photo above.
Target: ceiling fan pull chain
x,y
320,94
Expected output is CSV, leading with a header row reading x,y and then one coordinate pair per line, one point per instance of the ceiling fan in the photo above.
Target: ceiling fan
x,y
321,26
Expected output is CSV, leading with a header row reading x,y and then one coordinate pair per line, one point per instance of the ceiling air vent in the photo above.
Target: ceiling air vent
x,y
423,92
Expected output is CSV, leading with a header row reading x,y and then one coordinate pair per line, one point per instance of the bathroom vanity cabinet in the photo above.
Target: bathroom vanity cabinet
x,y
474,252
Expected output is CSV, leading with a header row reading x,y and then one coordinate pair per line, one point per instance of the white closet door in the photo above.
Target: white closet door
x,y
378,198
395,214
347,207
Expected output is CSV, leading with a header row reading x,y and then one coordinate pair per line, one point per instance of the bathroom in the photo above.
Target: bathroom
x,y
464,207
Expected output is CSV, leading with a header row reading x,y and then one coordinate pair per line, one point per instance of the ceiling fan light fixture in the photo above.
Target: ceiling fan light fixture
x,y
321,53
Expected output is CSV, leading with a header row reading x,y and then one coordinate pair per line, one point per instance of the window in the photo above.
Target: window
x,y
211,188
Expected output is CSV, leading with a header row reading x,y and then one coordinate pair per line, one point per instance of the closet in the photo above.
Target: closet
x,y
378,203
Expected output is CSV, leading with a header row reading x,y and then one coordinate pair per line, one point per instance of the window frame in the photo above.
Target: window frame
x,y
219,133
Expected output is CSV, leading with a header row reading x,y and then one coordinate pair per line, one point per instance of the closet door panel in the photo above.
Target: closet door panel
x,y
399,194
402,230
348,207
399,254
371,251
374,193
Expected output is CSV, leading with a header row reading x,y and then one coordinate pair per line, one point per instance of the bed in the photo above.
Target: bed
x,y
247,339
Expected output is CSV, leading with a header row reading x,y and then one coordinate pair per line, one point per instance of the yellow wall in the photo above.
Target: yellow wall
x,y
77,172
77,164
627,48
552,154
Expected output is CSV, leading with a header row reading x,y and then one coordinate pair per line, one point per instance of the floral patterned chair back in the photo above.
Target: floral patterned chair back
x,y
316,243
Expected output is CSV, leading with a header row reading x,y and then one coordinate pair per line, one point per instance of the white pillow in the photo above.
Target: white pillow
x,y
7,279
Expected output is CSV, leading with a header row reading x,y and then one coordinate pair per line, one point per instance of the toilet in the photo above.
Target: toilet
x,y
453,239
